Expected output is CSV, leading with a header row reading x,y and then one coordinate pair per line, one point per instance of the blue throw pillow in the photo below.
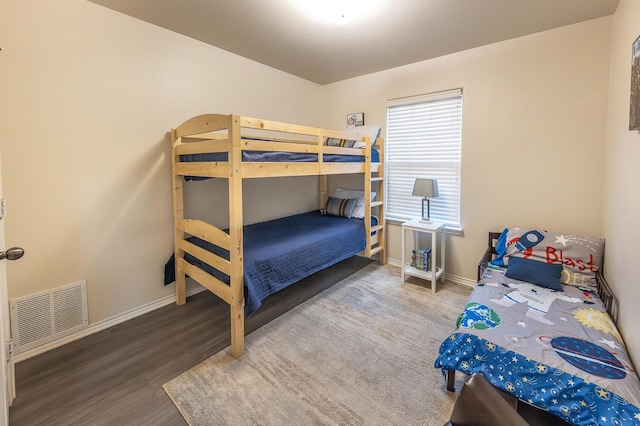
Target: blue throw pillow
x,y
535,272
340,207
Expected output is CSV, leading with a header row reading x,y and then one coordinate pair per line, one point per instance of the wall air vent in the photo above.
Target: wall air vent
x,y
43,317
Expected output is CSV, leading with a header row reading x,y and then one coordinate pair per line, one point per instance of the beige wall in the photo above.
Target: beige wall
x,y
88,98
622,176
534,125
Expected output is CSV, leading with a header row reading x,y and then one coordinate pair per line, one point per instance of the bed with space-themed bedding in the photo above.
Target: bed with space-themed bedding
x,y
540,326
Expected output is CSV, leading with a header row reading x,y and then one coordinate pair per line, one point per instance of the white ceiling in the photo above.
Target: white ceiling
x,y
276,33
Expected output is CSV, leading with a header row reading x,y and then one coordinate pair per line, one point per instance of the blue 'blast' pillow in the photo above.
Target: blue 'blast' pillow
x,y
535,272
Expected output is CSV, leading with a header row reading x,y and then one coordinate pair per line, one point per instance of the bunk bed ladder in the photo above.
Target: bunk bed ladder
x,y
375,234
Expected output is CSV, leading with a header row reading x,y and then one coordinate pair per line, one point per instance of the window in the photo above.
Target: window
x,y
424,140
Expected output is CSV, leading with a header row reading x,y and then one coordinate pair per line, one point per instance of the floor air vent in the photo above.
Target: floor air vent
x,y
43,317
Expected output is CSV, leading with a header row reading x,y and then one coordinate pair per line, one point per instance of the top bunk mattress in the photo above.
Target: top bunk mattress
x,y
276,157
279,252
280,156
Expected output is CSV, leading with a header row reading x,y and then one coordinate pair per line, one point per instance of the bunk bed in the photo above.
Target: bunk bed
x,y
241,263
540,325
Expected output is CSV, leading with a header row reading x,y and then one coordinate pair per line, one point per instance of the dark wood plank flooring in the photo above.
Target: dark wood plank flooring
x,y
115,377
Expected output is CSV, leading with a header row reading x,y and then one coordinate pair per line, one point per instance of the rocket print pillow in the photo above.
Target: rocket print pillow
x,y
580,257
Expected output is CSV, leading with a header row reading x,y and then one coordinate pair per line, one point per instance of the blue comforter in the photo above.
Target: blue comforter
x,y
280,252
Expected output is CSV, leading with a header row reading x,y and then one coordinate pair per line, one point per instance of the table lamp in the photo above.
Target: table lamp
x,y
426,188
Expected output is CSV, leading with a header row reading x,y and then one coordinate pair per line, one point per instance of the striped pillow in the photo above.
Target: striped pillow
x,y
358,195
340,207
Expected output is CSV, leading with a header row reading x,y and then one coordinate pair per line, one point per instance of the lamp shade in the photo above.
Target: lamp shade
x,y
427,188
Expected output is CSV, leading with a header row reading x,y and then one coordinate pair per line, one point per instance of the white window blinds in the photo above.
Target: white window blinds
x,y
424,140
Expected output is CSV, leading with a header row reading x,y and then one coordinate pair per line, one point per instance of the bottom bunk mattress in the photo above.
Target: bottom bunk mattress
x,y
279,252
557,350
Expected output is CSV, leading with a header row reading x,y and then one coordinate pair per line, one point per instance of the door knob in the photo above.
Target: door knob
x,y
14,253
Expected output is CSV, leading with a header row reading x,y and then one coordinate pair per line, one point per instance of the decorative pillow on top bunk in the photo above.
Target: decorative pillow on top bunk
x,y
359,131
371,131
580,257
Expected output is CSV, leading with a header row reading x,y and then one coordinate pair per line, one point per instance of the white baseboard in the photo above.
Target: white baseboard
x,y
102,325
461,280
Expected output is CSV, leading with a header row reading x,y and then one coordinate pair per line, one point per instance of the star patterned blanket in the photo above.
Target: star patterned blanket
x,y
557,350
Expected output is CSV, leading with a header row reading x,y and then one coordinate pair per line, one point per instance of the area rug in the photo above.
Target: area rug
x,y
359,353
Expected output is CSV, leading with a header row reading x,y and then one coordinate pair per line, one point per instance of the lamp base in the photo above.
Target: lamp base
x,y
426,219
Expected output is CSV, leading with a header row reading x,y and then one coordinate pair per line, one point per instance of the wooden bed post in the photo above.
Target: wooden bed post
x,y
324,184
235,232
178,214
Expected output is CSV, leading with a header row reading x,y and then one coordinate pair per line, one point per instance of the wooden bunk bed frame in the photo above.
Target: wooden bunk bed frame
x,y
233,134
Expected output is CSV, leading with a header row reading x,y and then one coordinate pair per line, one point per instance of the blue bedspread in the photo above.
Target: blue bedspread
x,y
280,252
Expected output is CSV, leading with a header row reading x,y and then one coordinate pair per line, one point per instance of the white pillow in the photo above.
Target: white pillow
x,y
353,193
371,131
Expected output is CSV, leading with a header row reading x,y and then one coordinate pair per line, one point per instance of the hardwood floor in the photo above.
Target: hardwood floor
x,y
115,377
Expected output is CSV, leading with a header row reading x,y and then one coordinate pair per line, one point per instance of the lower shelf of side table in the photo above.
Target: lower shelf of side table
x,y
427,275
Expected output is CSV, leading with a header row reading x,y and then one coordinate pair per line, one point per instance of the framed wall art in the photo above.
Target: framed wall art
x,y
634,109
355,119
